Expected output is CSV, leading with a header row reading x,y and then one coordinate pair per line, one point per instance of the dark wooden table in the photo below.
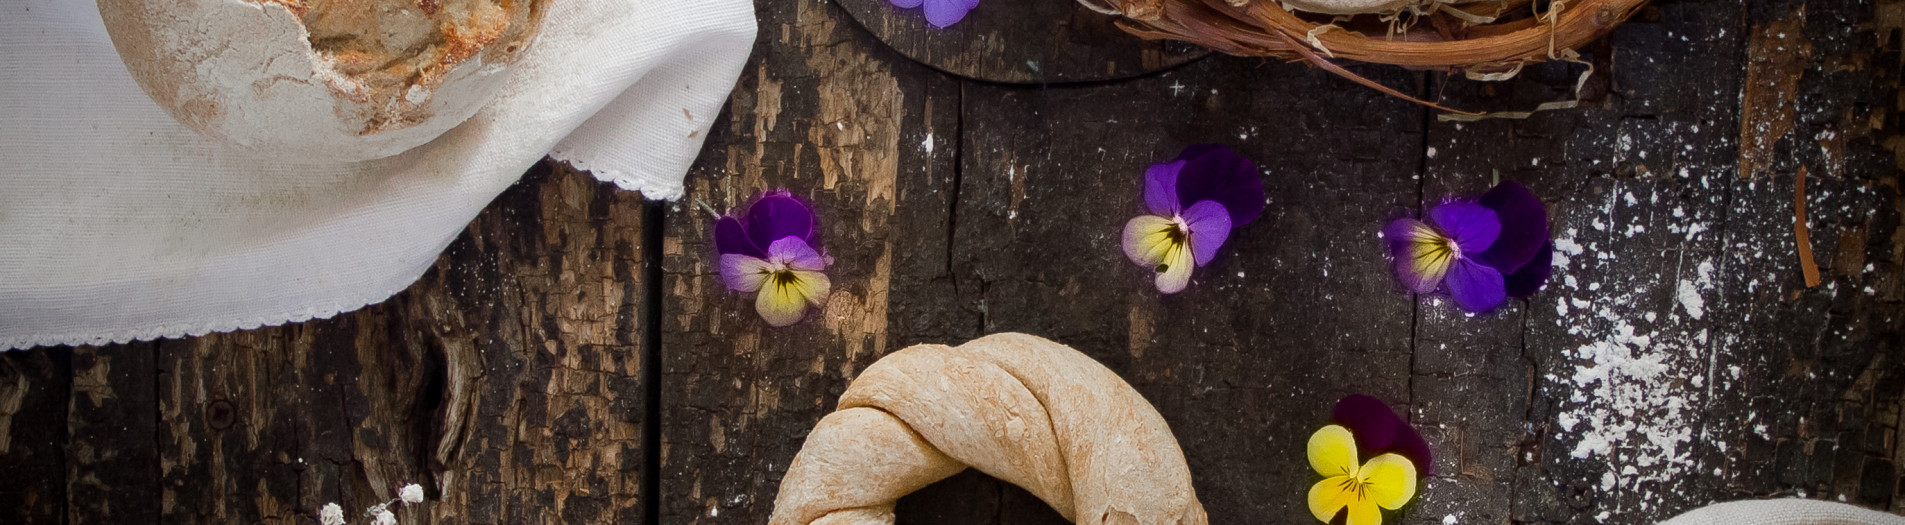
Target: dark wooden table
x,y
572,359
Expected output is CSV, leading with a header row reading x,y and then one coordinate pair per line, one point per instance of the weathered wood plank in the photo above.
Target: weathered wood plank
x,y
1022,42
1549,406
1612,393
258,426
34,386
507,381
1815,373
539,321
870,139
1296,312
112,455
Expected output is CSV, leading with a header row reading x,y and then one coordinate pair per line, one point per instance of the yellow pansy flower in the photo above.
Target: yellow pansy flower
x,y
1386,482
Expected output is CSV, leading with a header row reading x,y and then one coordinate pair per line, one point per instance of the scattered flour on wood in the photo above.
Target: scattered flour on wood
x,y
1638,380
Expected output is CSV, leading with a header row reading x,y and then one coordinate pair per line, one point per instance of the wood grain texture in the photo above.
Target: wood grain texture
x,y
1820,369
870,140
507,382
1297,311
109,468
34,387
1675,359
1022,42
1636,187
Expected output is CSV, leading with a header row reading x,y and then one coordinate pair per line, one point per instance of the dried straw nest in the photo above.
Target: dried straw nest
x,y
1486,39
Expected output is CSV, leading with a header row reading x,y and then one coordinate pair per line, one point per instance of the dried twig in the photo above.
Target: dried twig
x,y
1806,265
1324,63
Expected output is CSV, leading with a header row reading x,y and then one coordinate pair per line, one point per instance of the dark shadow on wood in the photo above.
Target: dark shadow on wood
x,y
35,386
653,218
972,497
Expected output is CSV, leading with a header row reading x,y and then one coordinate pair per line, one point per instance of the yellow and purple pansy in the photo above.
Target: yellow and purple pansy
x,y
1195,201
1370,460
1480,253
774,251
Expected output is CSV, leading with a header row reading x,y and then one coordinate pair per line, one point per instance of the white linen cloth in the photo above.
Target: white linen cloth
x,y
117,223
1790,511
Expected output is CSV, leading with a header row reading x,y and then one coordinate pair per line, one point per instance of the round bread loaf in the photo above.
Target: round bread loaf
x,y
334,79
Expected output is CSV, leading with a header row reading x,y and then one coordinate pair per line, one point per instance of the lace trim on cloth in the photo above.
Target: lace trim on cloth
x,y
176,331
650,188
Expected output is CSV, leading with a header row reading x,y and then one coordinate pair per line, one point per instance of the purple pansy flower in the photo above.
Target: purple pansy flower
x,y
1378,430
941,13
774,251
1194,200
1480,253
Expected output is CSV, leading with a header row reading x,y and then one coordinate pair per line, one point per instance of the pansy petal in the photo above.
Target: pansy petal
x,y
730,237
1147,238
1369,420
1329,496
1524,226
779,305
779,215
783,300
1378,429
906,4
1364,512
796,254
1422,255
1218,174
1411,446
1401,233
1527,280
1332,451
813,286
1472,226
942,13
1476,287
1174,274
1160,188
1210,225
1390,480
742,273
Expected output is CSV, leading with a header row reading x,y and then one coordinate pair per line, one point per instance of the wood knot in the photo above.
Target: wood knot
x,y
221,414
1579,495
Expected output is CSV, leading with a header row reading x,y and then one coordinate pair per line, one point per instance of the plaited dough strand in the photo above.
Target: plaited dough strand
x,y
1020,408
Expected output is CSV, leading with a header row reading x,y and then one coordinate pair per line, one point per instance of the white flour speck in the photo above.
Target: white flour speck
x,y
1690,299
1567,245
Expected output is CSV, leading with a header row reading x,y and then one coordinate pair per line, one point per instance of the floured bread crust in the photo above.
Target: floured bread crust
x,y
1023,409
334,79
